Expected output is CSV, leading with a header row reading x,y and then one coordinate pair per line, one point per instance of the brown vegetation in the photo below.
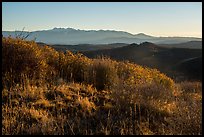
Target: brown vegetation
x,y
50,92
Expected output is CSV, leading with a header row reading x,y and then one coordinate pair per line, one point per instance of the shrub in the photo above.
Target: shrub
x,y
104,74
51,58
21,60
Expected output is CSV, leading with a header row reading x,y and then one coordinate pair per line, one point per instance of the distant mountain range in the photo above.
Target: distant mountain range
x,y
70,36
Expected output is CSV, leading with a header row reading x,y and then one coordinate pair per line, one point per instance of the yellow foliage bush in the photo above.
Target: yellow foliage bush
x,y
20,60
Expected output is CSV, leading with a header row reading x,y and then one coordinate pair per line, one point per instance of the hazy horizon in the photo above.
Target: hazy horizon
x,y
159,19
98,30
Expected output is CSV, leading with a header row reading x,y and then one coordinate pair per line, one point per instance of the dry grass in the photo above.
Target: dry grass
x,y
74,95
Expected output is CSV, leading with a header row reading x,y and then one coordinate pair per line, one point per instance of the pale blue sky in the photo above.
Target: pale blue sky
x,y
153,18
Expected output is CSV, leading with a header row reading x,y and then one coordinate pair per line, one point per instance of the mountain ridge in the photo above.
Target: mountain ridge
x,y
77,36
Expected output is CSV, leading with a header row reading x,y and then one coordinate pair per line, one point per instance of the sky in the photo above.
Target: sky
x,y
152,18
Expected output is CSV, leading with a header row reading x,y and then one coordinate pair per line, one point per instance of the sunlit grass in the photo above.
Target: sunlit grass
x,y
74,95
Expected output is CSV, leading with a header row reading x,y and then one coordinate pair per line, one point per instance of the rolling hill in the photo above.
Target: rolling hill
x,y
190,45
87,47
154,56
